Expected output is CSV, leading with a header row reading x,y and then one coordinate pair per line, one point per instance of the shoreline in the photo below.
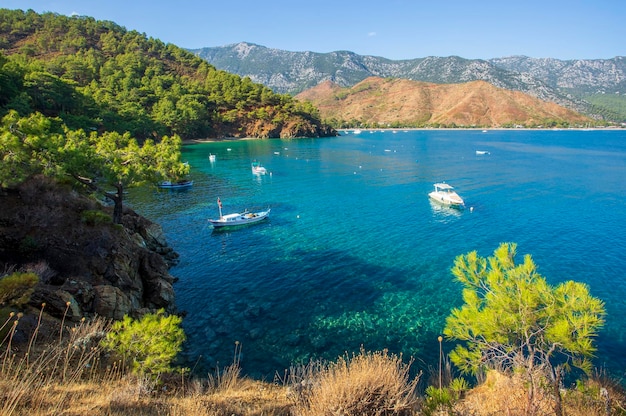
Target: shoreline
x,y
223,139
485,130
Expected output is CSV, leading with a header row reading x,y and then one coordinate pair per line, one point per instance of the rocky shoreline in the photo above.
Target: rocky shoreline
x,y
87,266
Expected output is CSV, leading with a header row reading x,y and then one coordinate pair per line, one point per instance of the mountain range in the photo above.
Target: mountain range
x,y
595,87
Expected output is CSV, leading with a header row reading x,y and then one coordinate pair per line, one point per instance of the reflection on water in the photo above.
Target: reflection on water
x,y
445,213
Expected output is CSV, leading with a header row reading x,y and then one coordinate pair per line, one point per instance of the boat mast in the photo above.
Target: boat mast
x,y
219,205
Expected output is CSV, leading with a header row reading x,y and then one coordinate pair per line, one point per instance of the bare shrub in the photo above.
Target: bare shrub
x,y
41,269
368,383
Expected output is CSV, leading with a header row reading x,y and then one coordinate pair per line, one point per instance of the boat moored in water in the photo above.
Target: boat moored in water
x,y
176,185
257,169
240,218
446,195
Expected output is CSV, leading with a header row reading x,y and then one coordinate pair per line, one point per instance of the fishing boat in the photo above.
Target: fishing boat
x,y
239,218
182,184
445,194
257,169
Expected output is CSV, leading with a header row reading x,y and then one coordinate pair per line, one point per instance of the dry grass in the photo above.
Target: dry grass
x,y
26,376
502,394
365,384
66,373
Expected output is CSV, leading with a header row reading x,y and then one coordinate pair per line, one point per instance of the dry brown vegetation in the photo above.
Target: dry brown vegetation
x,y
502,394
68,373
364,384
414,103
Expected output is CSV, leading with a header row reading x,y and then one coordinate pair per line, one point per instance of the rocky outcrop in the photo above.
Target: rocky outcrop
x,y
291,128
86,264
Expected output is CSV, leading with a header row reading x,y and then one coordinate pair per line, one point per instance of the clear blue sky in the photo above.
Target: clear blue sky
x,y
395,29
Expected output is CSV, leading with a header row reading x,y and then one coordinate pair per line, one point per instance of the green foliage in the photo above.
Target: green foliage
x,y
41,145
16,288
148,345
459,386
610,106
97,75
94,217
437,399
512,318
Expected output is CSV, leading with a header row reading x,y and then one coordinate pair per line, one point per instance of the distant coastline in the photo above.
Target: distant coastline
x,y
487,129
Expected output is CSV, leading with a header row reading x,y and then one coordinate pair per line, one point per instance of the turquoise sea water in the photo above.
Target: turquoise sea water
x,y
355,254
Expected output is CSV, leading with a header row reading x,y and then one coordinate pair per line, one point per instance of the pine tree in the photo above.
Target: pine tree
x,y
513,319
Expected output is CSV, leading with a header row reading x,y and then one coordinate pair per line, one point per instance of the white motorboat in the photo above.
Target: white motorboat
x,y
257,169
212,157
482,152
176,185
240,218
445,194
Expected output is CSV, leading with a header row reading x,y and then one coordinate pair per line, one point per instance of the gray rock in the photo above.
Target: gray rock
x,y
111,302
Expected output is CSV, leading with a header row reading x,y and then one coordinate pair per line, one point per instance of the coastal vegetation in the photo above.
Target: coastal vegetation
x,y
98,76
105,107
109,108
127,367
37,144
513,320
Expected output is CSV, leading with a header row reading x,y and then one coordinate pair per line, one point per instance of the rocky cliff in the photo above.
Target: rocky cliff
x,y
86,264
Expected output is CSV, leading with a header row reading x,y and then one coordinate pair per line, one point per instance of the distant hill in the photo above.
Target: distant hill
x,y
96,75
581,85
387,102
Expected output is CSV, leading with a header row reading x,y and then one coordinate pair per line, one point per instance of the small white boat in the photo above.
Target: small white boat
x,y
176,185
482,152
257,169
212,157
240,218
357,131
445,194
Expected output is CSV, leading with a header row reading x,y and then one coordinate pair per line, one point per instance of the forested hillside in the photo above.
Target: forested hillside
x,y
96,75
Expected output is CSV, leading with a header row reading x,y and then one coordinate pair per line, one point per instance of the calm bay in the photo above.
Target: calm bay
x,y
354,253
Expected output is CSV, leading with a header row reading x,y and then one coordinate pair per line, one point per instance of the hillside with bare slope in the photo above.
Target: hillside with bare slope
x,y
399,102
